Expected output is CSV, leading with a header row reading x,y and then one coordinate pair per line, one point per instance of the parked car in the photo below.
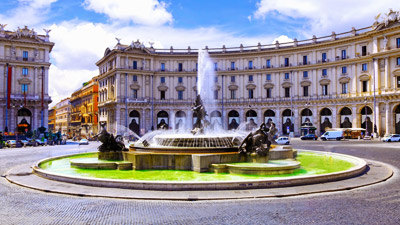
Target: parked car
x,y
391,137
332,135
283,141
40,142
25,143
11,143
309,137
83,141
367,137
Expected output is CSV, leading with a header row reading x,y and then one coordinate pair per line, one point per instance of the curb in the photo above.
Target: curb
x,y
22,175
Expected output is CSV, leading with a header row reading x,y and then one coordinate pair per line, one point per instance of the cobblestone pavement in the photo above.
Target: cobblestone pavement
x,y
377,204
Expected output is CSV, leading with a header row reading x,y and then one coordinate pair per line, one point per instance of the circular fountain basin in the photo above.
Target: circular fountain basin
x,y
316,167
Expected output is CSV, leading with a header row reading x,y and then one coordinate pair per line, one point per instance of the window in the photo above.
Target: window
x,y
134,93
398,81
363,50
215,66
25,71
180,95
325,89
232,65
324,72
25,55
364,67
344,70
324,57
216,94
344,56
286,62
162,66
24,88
180,79
233,79
398,42
251,93
134,78
345,88
305,91
287,92
197,66
269,92
304,60
398,61
268,76
233,94
250,65
250,78
365,86
180,67
162,79
268,63
216,79
162,95
305,74
286,76
135,65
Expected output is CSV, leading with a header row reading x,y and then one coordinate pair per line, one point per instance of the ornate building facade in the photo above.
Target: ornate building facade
x,y
84,111
24,66
347,80
63,117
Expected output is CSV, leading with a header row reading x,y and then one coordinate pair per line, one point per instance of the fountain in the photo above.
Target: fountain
x,y
202,152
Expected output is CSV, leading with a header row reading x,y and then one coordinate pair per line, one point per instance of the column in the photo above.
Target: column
x,y
355,116
335,118
278,120
387,74
296,120
388,128
172,119
377,120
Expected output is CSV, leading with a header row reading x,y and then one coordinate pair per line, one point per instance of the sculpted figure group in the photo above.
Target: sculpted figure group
x,y
255,141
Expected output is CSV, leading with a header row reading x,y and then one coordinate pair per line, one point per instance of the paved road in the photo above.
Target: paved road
x,y
378,204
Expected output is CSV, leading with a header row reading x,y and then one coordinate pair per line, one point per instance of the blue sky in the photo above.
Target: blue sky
x,y
83,29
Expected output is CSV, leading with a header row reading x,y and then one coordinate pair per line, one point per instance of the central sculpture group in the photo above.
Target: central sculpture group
x,y
258,141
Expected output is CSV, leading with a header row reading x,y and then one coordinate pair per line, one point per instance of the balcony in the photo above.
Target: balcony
x,y
23,59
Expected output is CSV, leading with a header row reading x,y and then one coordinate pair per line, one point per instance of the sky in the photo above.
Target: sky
x,y
83,29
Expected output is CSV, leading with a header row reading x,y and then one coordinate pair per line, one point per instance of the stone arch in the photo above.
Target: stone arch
x,y
251,119
180,119
233,119
24,118
396,111
162,120
366,121
326,119
269,116
287,123
134,125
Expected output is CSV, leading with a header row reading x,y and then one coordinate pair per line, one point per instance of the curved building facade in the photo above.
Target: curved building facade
x,y
347,80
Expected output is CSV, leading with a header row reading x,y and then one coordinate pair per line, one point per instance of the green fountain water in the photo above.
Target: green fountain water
x,y
311,164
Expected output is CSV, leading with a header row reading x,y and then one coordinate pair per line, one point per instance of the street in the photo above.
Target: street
x,y
376,204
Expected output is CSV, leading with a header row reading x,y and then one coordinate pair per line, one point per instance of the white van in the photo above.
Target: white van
x,y
332,135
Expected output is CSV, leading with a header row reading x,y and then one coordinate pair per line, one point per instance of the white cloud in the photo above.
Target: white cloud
x,y
146,12
325,16
282,39
28,12
62,82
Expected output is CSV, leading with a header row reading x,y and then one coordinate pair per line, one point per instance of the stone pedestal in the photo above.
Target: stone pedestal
x,y
255,158
111,156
